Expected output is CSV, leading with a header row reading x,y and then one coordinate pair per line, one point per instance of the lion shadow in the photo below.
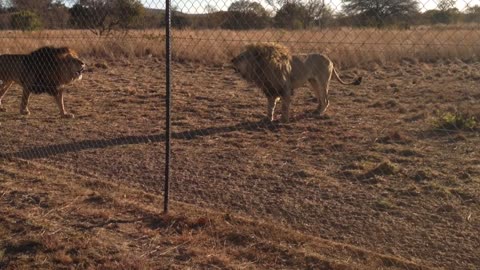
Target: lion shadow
x,y
57,149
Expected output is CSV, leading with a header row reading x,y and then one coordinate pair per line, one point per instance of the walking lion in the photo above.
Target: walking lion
x,y
277,72
44,70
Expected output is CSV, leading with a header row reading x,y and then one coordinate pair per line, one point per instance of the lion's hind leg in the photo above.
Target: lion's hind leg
x,y
4,86
320,89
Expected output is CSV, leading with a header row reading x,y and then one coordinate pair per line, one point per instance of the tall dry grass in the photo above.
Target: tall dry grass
x,y
346,46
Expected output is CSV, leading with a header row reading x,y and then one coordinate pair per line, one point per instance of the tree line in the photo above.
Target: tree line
x,y
104,16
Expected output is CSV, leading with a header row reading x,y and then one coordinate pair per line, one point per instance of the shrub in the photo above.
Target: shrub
x,y
456,121
292,16
26,21
103,17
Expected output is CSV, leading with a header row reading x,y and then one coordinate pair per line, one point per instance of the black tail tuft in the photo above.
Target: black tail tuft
x,y
358,81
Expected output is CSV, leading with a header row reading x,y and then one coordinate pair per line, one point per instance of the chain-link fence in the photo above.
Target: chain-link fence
x,y
389,163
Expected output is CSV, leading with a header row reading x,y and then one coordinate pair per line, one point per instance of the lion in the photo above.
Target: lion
x,y
277,72
44,70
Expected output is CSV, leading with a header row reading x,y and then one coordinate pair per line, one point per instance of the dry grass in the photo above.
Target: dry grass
x,y
367,174
48,221
348,47
370,174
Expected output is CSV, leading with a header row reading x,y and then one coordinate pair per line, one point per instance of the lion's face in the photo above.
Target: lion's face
x,y
70,67
73,68
242,64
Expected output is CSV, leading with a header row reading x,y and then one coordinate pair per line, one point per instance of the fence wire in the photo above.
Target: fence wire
x,y
391,165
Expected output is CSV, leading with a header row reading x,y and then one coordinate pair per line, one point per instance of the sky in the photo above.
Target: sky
x,y
198,6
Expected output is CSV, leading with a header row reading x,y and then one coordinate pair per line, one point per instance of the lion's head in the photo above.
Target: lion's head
x,y
50,67
268,65
71,64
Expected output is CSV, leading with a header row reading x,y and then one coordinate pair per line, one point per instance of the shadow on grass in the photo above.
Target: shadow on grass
x,y
56,149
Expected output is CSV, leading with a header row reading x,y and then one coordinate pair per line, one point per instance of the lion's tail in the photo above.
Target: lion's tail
x,y
357,81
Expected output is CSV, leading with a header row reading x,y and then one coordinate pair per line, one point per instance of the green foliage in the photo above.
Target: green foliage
x,y
323,15
456,121
447,16
101,17
244,14
26,21
446,4
179,20
380,12
130,13
472,14
78,15
104,16
248,6
292,15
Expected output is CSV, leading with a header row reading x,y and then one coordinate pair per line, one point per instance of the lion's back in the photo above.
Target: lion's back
x,y
306,66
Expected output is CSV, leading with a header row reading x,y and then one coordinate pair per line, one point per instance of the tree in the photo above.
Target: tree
x,y
211,19
53,14
210,9
320,12
104,16
32,5
445,16
153,18
56,16
25,21
247,6
179,20
446,13
244,14
292,15
445,5
130,13
472,14
380,12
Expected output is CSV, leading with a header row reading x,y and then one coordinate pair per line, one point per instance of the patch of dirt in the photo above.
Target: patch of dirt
x,y
308,175
127,230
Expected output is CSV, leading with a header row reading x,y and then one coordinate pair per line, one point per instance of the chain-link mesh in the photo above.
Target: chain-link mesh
x,y
392,165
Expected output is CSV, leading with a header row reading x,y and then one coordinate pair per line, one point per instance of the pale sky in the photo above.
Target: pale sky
x,y
198,6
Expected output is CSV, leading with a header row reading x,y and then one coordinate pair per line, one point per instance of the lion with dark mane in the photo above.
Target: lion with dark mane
x,y
44,70
277,72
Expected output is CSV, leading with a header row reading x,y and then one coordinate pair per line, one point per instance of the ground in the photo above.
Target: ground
x,y
375,173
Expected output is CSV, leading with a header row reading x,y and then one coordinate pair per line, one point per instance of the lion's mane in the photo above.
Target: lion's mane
x,y
45,69
269,67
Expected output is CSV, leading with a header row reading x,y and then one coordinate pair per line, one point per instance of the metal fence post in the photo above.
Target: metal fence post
x,y
168,104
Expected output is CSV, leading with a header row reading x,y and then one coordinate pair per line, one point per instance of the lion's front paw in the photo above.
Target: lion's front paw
x,y
68,115
24,112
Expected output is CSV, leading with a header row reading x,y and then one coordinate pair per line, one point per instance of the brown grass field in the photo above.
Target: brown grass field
x,y
378,183
348,47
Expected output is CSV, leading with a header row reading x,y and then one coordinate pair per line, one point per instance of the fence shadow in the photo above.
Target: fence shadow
x,y
56,149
